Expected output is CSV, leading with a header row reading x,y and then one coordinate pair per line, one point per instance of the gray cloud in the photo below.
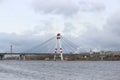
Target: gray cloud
x,y
106,39
113,24
56,7
112,31
67,7
20,42
1,1
93,37
87,6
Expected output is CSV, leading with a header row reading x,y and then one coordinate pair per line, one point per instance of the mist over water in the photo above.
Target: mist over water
x,y
59,70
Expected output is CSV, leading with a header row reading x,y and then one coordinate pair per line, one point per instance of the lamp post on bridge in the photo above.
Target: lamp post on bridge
x,y
11,50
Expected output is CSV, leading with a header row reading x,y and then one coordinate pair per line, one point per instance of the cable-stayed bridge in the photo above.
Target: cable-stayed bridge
x,y
56,46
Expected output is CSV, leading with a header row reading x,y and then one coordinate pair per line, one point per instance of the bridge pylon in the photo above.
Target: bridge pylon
x,y
58,47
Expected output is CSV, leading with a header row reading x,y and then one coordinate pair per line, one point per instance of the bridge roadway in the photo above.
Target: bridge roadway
x,y
22,55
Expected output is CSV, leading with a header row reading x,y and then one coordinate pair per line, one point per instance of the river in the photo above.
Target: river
x,y
59,70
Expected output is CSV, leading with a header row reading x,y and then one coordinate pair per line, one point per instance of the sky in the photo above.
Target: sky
x,y
91,24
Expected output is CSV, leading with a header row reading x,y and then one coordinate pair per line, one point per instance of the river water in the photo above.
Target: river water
x,y
59,70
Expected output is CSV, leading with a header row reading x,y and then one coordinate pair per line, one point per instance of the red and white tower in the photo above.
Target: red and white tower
x,y
58,47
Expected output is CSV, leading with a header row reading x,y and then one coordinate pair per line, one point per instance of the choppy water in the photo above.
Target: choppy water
x,y
57,70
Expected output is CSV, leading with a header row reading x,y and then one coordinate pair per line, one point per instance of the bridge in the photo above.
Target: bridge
x,y
57,46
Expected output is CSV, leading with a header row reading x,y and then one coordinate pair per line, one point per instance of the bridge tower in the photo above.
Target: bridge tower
x,y
58,47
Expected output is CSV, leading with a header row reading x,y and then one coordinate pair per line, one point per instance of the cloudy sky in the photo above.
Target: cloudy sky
x,y
91,24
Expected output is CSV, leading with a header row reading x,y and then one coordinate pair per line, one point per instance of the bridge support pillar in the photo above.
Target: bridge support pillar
x,y
54,57
102,58
1,57
22,57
